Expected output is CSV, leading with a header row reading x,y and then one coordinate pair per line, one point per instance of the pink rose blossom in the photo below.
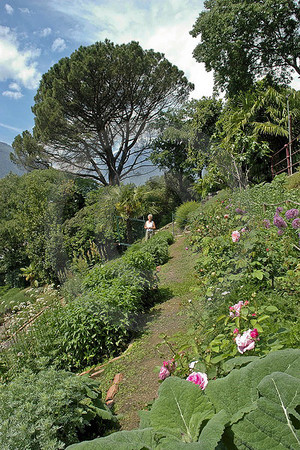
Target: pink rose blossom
x,y
254,333
243,230
235,309
167,369
246,341
198,378
236,331
235,235
164,373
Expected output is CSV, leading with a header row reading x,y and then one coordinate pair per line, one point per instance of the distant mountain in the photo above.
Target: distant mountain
x,y
6,165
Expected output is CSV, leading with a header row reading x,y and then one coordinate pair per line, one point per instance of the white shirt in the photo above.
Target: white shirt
x,y
149,225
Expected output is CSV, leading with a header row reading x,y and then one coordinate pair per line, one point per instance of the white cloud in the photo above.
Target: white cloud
x,y
16,64
9,127
9,9
13,94
14,87
58,45
45,32
163,26
24,10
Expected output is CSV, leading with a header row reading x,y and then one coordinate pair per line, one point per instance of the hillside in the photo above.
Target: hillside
x,y
6,165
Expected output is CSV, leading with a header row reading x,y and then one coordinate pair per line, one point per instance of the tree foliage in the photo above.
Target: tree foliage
x,y
243,40
183,142
252,127
93,108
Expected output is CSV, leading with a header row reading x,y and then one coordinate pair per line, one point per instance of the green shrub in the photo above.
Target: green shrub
x,y
293,181
95,326
166,236
182,212
12,297
50,410
158,249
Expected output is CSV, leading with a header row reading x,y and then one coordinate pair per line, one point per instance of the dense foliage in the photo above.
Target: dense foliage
x,y
98,320
245,40
228,414
248,272
50,410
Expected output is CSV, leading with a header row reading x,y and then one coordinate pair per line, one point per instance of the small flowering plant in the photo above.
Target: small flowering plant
x,y
167,369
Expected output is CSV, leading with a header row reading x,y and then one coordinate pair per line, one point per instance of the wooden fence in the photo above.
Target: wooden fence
x,y
286,159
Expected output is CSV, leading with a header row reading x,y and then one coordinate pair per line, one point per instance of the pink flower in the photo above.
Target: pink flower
x,y
235,309
164,373
254,333
243,230
245,342
246,303
236,331
167,369
198,378
254,315
267,249
235,235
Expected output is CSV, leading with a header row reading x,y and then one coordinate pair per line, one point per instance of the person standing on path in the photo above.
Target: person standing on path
x,y
149,227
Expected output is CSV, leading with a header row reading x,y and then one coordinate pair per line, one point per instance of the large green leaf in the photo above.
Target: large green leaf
x,y
122,440
180,409
237,393
272,424
213,430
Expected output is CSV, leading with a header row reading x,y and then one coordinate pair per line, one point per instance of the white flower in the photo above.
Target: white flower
x,y
192,364
225,292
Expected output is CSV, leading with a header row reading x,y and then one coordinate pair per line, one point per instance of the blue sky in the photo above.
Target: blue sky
x,y
35,34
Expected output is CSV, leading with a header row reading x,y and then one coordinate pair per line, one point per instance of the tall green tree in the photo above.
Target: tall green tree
x,y
242,40
169,151
183,142
93,109
251,129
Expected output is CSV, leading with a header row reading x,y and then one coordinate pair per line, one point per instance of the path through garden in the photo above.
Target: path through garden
x,y
140,383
